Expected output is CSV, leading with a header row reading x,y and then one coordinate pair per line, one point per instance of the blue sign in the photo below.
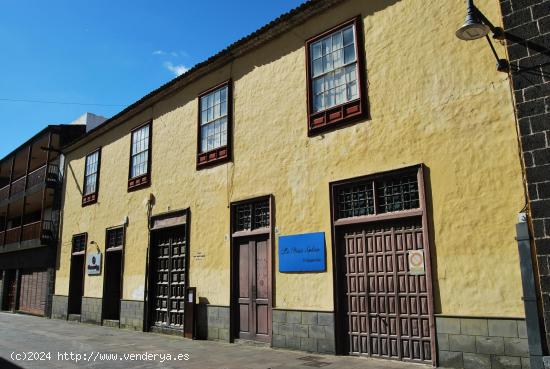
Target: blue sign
x,y
302,253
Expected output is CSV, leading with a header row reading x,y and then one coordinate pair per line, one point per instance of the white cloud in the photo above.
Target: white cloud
x,y
175,54
178,70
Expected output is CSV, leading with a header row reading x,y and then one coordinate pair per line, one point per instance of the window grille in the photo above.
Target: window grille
x,y
356,201
252,216
115,237
79,243
378,196
397,194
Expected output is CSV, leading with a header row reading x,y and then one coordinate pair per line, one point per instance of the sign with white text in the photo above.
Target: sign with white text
x,y
93,266
302,253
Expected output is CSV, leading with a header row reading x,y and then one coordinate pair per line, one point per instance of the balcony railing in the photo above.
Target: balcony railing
x,y
47,173
49,230
54,174
12,235
18,186
36,177
31,231
42,230
4,192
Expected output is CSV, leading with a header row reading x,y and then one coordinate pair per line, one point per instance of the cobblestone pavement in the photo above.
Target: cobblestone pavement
x,y
21,334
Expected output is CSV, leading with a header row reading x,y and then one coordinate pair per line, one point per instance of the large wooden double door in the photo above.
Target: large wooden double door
x,y
387,307
168,277
254,308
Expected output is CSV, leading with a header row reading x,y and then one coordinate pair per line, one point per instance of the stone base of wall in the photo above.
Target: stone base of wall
x,y
111,323
212,322
60,305
482,343
91,310
131,314
304,330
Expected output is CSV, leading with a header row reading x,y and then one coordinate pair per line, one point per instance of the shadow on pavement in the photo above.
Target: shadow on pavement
x,y
6,364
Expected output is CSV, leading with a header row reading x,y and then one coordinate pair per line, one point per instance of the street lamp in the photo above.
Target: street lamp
x,y
478,26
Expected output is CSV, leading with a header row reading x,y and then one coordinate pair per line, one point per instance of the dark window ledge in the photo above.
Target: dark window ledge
x,y
213,157
139,182
335,117
89,199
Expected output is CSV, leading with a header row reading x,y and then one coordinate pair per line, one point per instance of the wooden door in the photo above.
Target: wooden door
x,y
254,298
76,284
169,277
33,291
388,313
11,290
112,289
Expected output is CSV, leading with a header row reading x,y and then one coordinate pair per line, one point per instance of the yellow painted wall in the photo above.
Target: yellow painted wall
x,y
433,99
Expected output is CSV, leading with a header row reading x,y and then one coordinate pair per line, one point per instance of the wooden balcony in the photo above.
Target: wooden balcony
x,y
45,174
4,193
31,231
43,231
17,186
36,177
12,235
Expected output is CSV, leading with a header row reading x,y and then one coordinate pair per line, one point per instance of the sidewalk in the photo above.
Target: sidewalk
x,y
103,347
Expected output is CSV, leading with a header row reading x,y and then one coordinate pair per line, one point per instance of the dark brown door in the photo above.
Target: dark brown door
x,y
253,290
33,291
11,290
387,307
76,284
168,277
112,289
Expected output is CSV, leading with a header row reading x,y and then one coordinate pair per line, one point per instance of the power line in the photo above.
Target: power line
x,y
57,102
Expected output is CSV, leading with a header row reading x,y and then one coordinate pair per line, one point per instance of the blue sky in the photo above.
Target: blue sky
x,y
109,52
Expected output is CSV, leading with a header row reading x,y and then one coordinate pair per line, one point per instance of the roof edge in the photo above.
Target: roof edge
x,y
49,127
260,37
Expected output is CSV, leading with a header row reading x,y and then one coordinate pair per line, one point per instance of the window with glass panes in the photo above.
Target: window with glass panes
x,y
336,75
91,173
334,69
115,237
79,243
214,119
139,162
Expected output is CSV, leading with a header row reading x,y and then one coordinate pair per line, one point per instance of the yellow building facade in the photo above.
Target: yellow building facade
x,y
433,127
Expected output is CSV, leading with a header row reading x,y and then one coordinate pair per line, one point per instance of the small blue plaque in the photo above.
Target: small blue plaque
x,y
302,253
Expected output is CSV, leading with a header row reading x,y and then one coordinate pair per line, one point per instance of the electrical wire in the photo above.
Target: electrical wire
x,y
57,102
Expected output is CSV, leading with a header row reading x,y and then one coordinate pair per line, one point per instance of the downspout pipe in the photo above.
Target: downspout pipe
x,y
523,238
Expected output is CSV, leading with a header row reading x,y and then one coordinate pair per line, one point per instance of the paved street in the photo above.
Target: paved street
x,y
21,335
